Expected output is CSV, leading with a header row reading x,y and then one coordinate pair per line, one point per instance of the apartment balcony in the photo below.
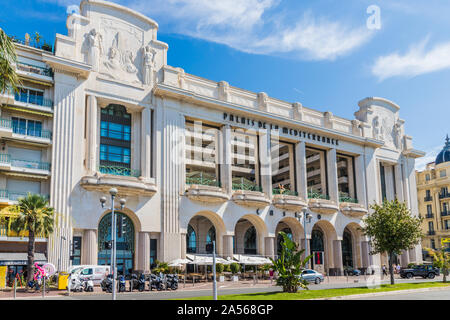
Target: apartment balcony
x,y
429,216
11,164
31,102
288,200
445,213
431,233
205,190
34,72
127,181
11,197
430,198
321,203
444,195
7,130
7,234
248,194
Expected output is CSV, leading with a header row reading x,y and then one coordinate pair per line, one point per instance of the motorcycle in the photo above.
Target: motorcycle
x,y
106,284
87,284
134,282
122,283
141,283
155,282
76,284
172,282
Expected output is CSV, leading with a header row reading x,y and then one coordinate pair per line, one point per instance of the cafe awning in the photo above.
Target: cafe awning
x,y
19,258
203,260
251,260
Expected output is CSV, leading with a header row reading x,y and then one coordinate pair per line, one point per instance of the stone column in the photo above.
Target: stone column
x,y
92,134
225,158
308,251
269,246
183,246
404,259
227,246
89,247
360,177
143,252
300,166
337,248
399,181
146,146
333,191
365,253
265,160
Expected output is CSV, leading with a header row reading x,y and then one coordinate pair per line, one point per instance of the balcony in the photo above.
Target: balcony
x,y
430,198
321,203
11,235
30,68
431,233
11,197
205,188
8,130
429,216
33,99
445,213
32,43
126,180
444,195
248,193
288,200
26,166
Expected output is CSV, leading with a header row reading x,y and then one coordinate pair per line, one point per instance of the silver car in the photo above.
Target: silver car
x,y
312,276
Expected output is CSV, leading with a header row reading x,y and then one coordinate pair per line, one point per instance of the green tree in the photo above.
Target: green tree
x,y
392,229
36,217
219,268
235,268
441,260
290,265
37,37
8,59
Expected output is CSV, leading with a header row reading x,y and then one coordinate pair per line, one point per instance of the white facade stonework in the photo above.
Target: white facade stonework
x,y
111,56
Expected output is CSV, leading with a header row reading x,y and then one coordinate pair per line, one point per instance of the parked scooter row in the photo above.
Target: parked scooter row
x,y
155,282
79,284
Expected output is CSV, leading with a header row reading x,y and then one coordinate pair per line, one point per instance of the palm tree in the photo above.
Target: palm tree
x,y
36,217
8,59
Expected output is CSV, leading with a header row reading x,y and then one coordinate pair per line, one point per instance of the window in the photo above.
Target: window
x,y
244,154
191,240
115,140
30,96
27,127
446,224
202,165
250,241
442,173
283,167
427,177
433,244
76,253
430,226
346,180
383,182
429,209
316,173
428,193
153,252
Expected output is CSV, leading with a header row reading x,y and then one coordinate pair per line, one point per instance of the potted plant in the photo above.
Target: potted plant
x,y
235,268
219,269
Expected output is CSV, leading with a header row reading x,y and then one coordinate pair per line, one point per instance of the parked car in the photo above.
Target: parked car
x,y
352,272
312,276
424,271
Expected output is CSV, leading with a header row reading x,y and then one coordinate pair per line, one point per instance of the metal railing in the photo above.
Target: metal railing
x,y
284,192
431,233
317,195
21,163
203,181
33,99
429,215
119,171
347,199
430,198
15,195
46,134
245,185
444,195
34,69
32,43
445,213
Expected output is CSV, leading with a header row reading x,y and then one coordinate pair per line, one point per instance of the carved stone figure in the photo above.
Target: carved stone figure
x,y
128,62
398,135
95,49
223,90
181,78
113,63
376,128
149,65
263,100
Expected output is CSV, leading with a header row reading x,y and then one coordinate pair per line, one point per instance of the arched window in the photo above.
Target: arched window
x,y
347,252
210,237
317,240
250,241
191,240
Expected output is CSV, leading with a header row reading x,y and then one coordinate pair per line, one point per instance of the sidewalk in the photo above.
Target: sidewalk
x,y
189,286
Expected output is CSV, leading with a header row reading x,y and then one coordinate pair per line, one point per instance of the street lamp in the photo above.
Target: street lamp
x,y
306,218
113,192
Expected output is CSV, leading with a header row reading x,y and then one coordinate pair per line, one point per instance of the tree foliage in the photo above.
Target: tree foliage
x,y
441,259
392,229
8,59
290,265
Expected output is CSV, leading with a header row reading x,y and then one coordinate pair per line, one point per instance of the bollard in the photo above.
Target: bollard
x,y
43,287
15,287
193,281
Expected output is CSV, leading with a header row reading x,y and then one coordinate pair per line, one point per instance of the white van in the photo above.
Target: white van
x,y
96,273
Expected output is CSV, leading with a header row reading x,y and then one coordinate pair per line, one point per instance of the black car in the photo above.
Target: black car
x,y
424,271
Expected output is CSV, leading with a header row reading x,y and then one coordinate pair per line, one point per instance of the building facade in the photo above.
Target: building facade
x,y
26,124
433,186
199,161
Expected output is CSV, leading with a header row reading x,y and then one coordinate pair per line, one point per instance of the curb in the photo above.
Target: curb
x,y
377,294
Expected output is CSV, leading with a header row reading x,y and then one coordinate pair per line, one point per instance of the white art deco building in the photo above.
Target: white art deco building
x,y
199,161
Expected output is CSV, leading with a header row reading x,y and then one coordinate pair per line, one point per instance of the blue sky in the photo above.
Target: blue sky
x,y
320,53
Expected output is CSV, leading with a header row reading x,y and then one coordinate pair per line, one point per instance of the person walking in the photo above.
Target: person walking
x,y
384,270
398,268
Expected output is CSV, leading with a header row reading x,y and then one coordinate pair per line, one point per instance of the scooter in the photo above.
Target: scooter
x,y
106,284
122,283
141,283
76,284
172,282
134,282
155,282
87,284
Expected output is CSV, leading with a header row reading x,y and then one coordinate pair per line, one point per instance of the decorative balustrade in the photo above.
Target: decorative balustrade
x,y
21,163
34,69
203,181
9,195
284,192
246,186
317,195
119,171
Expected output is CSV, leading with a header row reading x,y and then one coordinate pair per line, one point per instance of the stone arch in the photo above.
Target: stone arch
x,y
202,222
332,260
295,227
357,236
242,225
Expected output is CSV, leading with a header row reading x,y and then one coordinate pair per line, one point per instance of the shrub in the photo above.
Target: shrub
x,y
219,268
227,268
235,267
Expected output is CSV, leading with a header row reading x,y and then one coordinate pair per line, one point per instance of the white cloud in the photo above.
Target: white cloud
x,y
429,157
254,26
415,62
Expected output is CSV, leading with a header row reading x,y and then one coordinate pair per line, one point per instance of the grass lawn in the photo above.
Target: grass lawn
x,y
325,293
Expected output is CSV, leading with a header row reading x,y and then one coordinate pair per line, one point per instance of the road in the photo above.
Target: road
x,y
183,294
428,295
